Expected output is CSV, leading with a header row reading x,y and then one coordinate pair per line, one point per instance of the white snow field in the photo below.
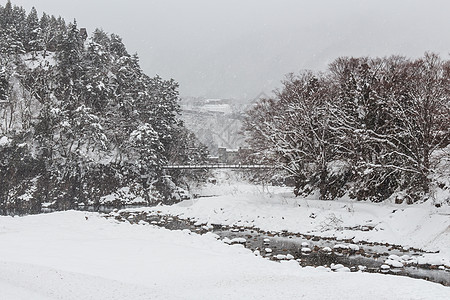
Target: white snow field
x,y
76,255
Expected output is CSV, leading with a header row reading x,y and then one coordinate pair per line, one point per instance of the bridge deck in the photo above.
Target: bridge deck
x,y
217,166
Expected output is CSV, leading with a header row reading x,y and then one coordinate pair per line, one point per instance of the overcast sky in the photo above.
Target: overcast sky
x,y
238,48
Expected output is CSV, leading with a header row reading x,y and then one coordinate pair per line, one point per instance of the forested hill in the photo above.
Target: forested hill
x,y
80,122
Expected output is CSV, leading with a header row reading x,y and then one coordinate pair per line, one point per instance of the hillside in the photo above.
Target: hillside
x,y
80,119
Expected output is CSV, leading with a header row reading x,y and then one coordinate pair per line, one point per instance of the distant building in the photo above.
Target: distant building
x,y
83,33
227,156
213,159
232,156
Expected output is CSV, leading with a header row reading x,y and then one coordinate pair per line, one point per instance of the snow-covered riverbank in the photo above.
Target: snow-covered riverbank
x,y
421,226
76,255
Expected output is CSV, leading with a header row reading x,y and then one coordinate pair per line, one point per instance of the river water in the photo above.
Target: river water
x,y
306,249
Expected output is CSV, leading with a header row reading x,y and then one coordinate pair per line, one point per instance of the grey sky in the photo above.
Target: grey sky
x,y
238,48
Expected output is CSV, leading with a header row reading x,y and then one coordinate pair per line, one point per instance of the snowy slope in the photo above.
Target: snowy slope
x,y
214,130
66,256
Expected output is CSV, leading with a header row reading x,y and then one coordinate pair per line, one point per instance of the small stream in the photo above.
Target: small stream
x,y
308,250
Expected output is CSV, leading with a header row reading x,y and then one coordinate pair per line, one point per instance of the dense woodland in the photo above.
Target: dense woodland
x,y
368,128
80,120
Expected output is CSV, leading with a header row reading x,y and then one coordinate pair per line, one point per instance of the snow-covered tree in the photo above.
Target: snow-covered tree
x,y
368,127
91,118
4,85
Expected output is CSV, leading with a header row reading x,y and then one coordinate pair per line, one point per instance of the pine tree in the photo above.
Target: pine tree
x,y
33,40
70,57
7,15
45,33
96,81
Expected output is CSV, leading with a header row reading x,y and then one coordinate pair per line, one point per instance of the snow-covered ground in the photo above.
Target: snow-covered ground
x,y
76,255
